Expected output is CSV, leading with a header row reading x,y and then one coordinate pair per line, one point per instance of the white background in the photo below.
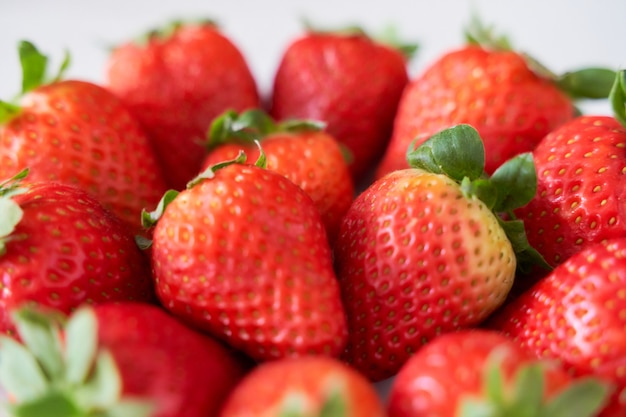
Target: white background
x,y
563,34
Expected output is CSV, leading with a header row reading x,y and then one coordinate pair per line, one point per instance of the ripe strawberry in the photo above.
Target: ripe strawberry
x,y
176,82
59,247
306,386
299,150
78,133
504,94
483,373
576,315
242,254
126,359
347,80
421,252
580,170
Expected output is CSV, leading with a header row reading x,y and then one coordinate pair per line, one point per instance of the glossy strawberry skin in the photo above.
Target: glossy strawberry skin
x,y
416,259
580,172
264,391
244,256
350,82
176,85
183,371
68,250
452,367
576,315
494,91
80,134
313,161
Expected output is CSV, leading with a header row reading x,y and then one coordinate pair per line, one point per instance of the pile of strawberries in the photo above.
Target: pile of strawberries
x,y
174,244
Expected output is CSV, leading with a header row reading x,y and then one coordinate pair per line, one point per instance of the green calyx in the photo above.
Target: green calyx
x,y
34,68
525,395
617,98
167,30
294,405
253,125
585,83
459,153
10,212
59,371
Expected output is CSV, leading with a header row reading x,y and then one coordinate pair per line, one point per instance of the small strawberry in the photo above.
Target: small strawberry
x,y
576,314
509,98
242,254
482,373
348,80
303,387
298,149
78,133
59,247
580,169
123,360
176,81
421,251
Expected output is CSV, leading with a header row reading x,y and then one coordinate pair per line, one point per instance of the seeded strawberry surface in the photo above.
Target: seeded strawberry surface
x,y
244,256
415,259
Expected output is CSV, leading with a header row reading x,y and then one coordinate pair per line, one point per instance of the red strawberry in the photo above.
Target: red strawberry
x,y
59,247
580,169
126,359
500,92
421,251
78,133
176,82
242,254
576,315
480,372
306,386
348,80
299,150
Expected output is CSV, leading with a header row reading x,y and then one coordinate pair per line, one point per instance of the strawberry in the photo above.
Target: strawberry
x,y
176,81
298,149
59,247
78,133
126,359
482,373
421,251
580,181
348,80
243,255
509,98
305,386
576,315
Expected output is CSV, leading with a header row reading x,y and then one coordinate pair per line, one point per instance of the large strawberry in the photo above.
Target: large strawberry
x,y
298,149
348,80
576,314
242,253
509,98
118,360
301,387
176,81
59,247
421,251
78,133
581,182
482,373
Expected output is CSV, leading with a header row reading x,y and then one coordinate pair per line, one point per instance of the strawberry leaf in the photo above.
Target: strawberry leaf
x,y
209,173
51,404
10,215
34,66
334,406
389,36
526,255
81,345
150,218
584,398
591,83
129,408
477,33
20,374
8,111
457,152
516,183
104,386
617,97
482,188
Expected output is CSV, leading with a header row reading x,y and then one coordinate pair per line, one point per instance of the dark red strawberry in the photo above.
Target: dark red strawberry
x,y
176,81
242,253
78,133
348,80
125,360
59,247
